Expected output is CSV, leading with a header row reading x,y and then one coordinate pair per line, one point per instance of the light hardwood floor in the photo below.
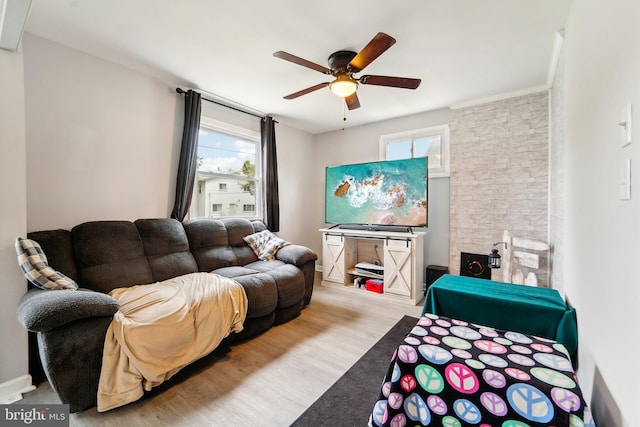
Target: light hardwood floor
x,y
268,380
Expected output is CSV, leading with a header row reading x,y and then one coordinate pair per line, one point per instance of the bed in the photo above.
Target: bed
x,y
452,373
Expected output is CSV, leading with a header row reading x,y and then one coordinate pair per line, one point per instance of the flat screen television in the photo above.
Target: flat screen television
x,y
384,193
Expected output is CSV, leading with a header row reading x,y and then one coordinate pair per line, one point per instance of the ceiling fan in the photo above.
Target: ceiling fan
x,y
344,64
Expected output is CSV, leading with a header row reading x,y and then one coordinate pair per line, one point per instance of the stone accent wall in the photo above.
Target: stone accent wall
x,y
499,175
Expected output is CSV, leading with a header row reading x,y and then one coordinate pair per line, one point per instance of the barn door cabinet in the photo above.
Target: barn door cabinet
x,y
400,253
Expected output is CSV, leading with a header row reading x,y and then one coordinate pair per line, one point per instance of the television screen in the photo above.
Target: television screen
x,y
392,192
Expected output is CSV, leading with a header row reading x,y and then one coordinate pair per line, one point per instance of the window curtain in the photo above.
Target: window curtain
x,y
271,199
188,155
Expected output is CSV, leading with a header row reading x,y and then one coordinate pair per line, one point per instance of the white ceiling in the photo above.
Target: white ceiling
x,y
463,50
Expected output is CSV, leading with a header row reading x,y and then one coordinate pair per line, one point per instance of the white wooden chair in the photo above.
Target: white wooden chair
x,y
522,261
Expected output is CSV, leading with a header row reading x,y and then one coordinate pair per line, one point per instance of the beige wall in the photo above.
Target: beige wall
x,y
499,174
13,205
101,139
602,232
557,166
298,202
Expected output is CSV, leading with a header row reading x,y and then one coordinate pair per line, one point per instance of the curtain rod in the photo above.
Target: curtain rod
x,y
181,91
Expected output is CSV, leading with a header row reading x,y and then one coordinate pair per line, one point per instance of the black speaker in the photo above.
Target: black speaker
x,y
434,272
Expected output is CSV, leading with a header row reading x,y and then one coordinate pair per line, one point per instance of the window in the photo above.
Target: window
x,y
228,176
432,142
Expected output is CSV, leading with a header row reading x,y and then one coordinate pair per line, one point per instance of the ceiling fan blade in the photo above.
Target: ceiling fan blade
x,y
401,82
297,60
352,101
307,90
376,47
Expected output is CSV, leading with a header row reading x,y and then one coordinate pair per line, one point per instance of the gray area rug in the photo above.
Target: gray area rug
x,y
349,401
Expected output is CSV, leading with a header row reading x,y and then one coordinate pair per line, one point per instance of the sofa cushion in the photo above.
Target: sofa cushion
x,y
235,271
110,255
258,225
218,243
166,247
59,249
265,244
204,232
34,265
260,288
237,228
264,266
288,279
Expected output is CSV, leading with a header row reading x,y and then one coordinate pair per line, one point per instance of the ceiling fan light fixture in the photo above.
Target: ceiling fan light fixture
x,y
343,64
343,86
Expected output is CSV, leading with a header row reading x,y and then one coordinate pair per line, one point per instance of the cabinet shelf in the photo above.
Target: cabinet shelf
x,y
353,272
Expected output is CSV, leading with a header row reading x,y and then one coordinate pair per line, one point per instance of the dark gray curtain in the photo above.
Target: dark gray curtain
x,y
188,155
271,204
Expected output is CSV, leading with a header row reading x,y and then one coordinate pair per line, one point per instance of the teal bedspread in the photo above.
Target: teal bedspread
x,y
526,309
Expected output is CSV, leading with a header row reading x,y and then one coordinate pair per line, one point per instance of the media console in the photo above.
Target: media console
x,y
401,254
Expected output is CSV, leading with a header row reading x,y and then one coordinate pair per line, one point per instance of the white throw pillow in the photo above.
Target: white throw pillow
x,y
265,244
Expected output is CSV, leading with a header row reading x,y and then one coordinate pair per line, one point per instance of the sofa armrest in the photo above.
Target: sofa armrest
x,y
42,310
296,255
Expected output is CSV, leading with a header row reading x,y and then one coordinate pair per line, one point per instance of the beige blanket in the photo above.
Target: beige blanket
x,y
162,327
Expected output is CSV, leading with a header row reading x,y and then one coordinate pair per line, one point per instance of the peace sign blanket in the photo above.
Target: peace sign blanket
x,y
453,373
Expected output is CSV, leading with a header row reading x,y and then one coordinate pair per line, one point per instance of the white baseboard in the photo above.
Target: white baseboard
x,y
11,391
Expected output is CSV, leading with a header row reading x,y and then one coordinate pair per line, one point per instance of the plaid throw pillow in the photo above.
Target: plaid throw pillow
x,y
265,244
34,265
